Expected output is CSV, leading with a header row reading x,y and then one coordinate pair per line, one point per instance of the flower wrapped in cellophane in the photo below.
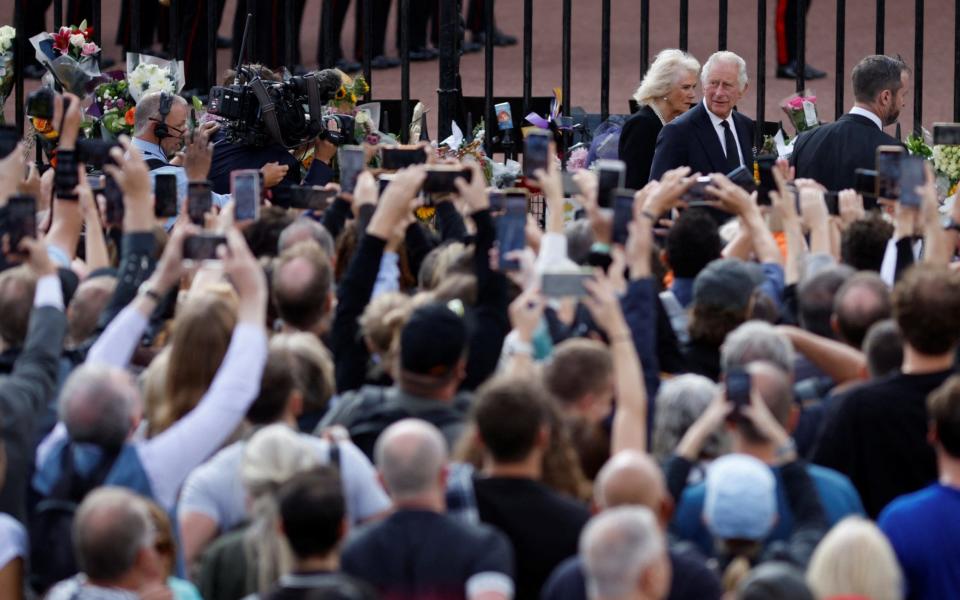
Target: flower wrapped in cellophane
x,y
148,74
70,58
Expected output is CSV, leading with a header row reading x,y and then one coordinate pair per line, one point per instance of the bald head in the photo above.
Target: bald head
x,y
110,529
100,405
301,285
303,230
630,478
862,301
88,302
411,455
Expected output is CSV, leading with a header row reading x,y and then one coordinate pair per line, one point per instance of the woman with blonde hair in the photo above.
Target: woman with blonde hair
x,y
667,91
253,559
855,560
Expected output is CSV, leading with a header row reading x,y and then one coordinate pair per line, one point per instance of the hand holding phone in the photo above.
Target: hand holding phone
x,y
441,178
622,214
888,171
21,221
351,161
913,175
536,148
611,175
199,201
564,284
511,229
393,158
202,247
165,193
737,386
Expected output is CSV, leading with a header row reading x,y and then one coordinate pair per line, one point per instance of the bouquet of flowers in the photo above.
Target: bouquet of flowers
x,y
350,90
8,37
148,74
116,108
801,109
70,56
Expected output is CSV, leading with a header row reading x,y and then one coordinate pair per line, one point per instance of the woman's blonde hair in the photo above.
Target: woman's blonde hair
x,y
315,371
201,335
664,73
272,456
855,559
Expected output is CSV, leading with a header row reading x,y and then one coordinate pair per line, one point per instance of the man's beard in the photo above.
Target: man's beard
x,y
891,117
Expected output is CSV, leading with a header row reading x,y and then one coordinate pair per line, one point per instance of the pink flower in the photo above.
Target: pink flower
x,y
578,159
89,49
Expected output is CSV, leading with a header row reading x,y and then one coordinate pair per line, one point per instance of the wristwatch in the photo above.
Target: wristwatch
x,y
146,289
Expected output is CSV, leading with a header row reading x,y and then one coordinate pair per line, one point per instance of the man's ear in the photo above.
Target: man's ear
x,y
295,403
543,437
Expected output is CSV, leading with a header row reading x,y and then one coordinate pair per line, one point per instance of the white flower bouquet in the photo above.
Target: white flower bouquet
x,y
148,74
70,57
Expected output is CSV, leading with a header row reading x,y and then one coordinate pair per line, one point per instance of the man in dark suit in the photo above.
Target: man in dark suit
x,y
831,153
711,137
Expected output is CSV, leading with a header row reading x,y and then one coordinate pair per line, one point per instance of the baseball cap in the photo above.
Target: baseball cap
x,y
741,499
433,340
727,283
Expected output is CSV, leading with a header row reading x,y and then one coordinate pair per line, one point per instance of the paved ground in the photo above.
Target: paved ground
x,y
821,51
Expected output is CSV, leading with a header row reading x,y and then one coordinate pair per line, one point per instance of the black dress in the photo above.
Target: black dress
x,y
638,140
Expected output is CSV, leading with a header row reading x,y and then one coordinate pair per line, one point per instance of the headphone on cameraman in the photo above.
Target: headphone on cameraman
x,y
162,130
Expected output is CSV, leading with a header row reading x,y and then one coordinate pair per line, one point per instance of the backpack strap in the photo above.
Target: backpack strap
x,y
335,455
71,485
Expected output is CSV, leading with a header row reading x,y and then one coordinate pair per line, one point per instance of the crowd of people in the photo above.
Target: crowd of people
x,y
749,398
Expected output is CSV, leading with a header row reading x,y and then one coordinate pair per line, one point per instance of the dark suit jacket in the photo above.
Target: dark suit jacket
x,y
691,141
24,395
638,140
831,153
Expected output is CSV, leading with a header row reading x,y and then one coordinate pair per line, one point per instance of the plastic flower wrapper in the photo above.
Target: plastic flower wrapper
x,y
114,108
148,74
70,58
8,37
504,175
801,109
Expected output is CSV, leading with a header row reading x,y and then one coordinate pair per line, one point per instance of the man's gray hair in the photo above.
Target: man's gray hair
x,y
757,340
149,108
97,405
410,454
110,528
725,56
306,229
617,547
680,402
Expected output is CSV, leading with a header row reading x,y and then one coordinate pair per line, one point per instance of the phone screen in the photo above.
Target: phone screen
x,y
350,159
199,202
622,215
8,140
400,157
912,176
165,192
202,247
311,197
888,172
245,189
21,220
610,176
564,285
441,179
511,230
765,165
113,197
865,183
832,200
737,384
536,146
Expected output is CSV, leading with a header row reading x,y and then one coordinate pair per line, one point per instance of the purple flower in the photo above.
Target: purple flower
x,y
120,103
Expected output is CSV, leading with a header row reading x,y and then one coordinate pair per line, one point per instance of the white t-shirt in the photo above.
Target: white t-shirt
x,y
13,540
215,488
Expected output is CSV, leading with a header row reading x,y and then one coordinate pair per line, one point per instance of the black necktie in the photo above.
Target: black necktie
x,y
733,161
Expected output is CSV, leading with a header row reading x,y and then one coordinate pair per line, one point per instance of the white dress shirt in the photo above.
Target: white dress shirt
x,y
718,129
856,110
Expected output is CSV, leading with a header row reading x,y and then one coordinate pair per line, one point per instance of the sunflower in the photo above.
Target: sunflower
x,y
341,93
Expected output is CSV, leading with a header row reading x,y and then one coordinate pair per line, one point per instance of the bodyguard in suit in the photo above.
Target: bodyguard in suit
x,y
711,137
831,153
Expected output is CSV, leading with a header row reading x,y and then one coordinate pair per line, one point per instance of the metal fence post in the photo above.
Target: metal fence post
x,y
449,92
135,26
488,117
881,23
801,45
605,61
326,33
528,55
567,42
644,37
722,33
761,70
58,15
18,63
840,68
956,61
684,25
404,70
213,22
175,47
368,45
918,70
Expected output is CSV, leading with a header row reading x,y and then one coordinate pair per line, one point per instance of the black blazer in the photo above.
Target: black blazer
x,y
691,141
638,140
831,153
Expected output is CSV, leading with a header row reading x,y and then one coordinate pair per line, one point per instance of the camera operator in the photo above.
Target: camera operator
x,y
160,133
275,162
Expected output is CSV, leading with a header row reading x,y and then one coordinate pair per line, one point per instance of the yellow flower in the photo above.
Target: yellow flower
x,y
425,213
341,93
